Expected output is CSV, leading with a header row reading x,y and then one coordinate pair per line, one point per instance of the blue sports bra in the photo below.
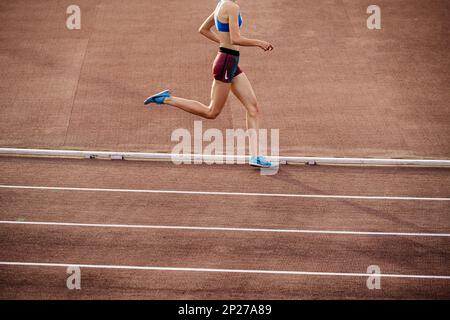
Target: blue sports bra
x,y
225,27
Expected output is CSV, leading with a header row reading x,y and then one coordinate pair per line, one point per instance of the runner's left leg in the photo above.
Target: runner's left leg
x,y
219,95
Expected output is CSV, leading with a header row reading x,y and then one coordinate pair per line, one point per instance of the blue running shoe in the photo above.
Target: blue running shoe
x,y
260,162
158,98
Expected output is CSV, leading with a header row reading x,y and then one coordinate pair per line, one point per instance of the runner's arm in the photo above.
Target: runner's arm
x,y
235,34
205,29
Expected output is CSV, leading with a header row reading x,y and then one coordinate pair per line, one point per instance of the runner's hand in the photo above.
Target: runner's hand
x,y
266,46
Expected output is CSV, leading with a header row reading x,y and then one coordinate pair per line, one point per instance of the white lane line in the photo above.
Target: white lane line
x,y
217,193
180,269
162,227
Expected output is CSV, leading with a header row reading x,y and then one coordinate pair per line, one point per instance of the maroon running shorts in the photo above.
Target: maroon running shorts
x,y
226,65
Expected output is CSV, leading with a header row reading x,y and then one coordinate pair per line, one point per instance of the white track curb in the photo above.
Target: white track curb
x,y
225,158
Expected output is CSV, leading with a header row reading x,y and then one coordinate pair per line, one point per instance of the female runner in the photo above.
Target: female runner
x,y
228,76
